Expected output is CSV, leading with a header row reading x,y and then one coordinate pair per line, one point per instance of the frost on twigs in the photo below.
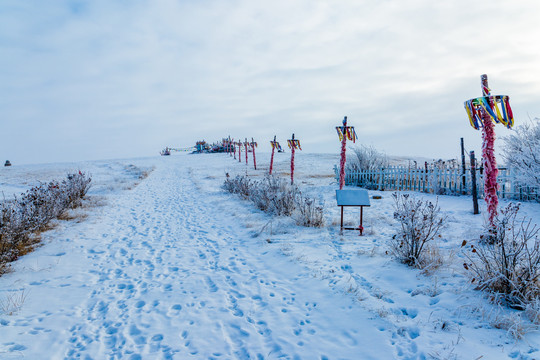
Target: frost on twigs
x,y
24,216
309,213
277,196
420,222
12,303
507,266
522,153
368,159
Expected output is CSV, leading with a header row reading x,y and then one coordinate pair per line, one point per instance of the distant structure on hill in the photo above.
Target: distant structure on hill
x,y
168,150
201,146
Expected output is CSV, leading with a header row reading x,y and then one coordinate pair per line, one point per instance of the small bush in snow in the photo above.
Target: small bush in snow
x,y
240,185
420,222
508,265
25,215
309,214
277,196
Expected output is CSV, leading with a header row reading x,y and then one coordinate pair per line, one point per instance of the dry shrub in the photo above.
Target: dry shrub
x,y
532,311
240,185
420,222
309,214
506,260
277,196
432,259
516,326
22,218
12,303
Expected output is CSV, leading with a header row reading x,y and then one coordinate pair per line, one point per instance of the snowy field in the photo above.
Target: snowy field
x,y
169,266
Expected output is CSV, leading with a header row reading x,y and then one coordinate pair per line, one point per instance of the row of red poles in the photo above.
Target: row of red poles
x,y
231,147
344,132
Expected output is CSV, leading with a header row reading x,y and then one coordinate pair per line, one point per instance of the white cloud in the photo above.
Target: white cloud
x,y
100,79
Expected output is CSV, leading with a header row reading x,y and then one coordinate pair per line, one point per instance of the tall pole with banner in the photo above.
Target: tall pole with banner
x,y
344,132
484,112
293,144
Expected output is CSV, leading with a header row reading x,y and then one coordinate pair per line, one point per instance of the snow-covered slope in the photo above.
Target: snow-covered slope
x,y
175,268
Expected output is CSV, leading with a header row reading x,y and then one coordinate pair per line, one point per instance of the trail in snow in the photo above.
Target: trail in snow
x,y
175,269
164,272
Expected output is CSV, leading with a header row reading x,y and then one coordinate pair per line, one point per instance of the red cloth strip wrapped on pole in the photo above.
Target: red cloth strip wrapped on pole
x,y
246,150
293,144
483,112
253,145
344,132
275,145
239,143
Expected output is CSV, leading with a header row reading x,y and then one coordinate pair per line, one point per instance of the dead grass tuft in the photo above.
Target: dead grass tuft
x,y
13,303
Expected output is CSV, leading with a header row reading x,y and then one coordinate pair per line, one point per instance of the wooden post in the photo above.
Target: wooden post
x,y
473,184
361,227
253,146
292,163
246,150
341,219
272,157
239,151
293,145
463,180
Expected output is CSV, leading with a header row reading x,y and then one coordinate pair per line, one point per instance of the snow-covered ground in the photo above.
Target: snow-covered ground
x,y
172,267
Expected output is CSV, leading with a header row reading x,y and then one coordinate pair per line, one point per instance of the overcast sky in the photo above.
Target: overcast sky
x,y
83,80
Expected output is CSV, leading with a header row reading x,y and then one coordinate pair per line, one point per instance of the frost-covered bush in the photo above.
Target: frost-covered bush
x,y
420,222
506,260
367,158
33,210
522,153
309,213
76,186
277,196
240,185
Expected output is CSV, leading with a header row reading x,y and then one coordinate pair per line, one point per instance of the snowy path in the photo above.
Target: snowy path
x,y
164,272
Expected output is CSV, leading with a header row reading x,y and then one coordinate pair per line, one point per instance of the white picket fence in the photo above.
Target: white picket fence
x,y
437,180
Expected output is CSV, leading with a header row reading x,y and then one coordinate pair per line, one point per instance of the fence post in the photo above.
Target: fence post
x,y
473,184
463,182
